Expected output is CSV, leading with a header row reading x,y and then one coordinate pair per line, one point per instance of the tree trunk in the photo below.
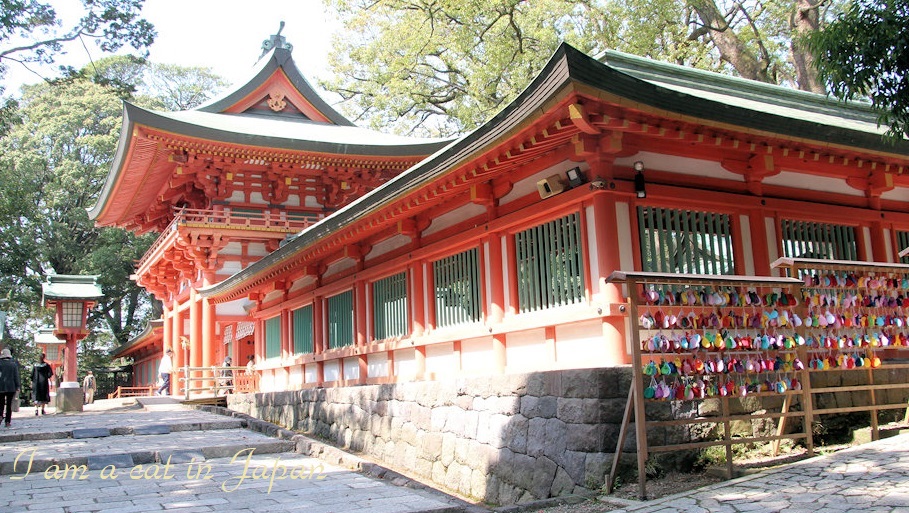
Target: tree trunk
x,y
731,48
804,21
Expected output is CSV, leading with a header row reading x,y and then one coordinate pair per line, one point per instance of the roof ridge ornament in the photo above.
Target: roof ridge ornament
x,y
276,41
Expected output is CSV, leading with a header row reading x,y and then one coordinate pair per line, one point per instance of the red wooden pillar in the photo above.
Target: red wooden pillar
x,y
418,294
420,362
195,329
498,352
318,326
287,333
318,336
879,251
209,341
361,329
608,259
363,362
176,343
167,337
496,292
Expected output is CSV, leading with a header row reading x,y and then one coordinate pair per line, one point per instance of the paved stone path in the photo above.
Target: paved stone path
x,y
872,478
116,459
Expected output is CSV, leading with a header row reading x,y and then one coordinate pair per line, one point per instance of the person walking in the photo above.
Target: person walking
x,y
9,384
41,376
88,388
226,380
165,368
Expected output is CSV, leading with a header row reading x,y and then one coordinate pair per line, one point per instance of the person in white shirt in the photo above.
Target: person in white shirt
x,y
164,371
88,388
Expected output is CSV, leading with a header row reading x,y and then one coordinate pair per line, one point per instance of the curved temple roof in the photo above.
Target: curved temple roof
x,y
673,91
275,110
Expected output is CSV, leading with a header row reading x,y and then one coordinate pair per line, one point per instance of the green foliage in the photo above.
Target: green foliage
x,y
447,66
864,53
55,154
444,67
53,163
30,30
180,87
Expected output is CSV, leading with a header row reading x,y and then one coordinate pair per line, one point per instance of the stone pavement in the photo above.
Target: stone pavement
x,y
872,477
125,458
166,457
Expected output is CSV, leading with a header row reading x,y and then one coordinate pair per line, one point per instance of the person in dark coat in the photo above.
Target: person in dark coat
x,y
9,384
41,375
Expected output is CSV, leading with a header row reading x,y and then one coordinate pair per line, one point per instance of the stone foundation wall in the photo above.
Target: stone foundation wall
x,y
502,439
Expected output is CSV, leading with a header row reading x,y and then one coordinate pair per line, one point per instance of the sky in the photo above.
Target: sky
x,y
225,35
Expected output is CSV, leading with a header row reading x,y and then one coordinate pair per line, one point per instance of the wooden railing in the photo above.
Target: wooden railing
x,y
212,380
122,391
231,219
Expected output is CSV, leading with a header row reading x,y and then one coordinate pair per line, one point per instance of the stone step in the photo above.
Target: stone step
x,y
55,427
128,450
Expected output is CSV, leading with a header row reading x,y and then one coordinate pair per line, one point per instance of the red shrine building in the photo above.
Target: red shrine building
x,y
338,255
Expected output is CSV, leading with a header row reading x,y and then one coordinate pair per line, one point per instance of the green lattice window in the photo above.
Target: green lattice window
x,y
340,320
902,242
549,264
457,284
302,318
389,302
685,241
273,337
805,239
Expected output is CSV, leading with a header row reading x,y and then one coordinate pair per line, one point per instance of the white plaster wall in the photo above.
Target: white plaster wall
x,y
232,267
772,250
256,197
457,215
377,365
747,244
311,373
302,282
387,245
351,368
295,377
281,378
529,185
311,201
331,371
623,226
232,308
267,381
256,249
405,363
524,351
815,183
477,356
680,165
581,346
594,231
340,265
232,248
440,360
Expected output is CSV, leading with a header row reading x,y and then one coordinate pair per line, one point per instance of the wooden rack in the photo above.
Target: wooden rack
x,y
635,284
800,267
805,291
